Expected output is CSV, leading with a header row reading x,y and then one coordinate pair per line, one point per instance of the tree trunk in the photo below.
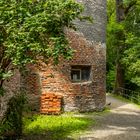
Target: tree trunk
x,y
119,79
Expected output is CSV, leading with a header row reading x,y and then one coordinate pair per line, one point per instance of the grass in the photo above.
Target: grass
x,y
68,126
54,127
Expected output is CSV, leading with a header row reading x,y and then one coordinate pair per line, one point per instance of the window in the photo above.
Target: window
x,y
80,73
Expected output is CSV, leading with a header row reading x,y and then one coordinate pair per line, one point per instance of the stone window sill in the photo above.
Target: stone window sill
x,y
82,83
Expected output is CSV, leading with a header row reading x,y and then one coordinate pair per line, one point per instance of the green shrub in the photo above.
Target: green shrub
x,y
11,125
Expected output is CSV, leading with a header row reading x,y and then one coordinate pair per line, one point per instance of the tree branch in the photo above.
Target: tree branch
x,y
127,9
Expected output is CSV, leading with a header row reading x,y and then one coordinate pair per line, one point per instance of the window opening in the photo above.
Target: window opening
x,y
80,73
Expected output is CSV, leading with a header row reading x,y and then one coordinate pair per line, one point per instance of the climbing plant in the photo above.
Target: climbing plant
x,y
33,28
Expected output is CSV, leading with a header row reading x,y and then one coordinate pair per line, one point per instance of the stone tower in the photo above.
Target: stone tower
x,y
95,32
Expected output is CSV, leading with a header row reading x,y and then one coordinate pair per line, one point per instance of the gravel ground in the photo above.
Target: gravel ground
x,y
122,123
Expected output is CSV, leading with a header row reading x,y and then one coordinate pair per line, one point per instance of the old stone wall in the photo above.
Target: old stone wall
x,y
96,31
89,44
11,87
44,79
79,96
31,84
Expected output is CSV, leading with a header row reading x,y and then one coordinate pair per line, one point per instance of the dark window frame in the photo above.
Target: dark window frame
x,y
85,73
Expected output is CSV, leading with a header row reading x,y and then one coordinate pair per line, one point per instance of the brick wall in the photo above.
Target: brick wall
x,y
45,79
81,96
89,44
11,87
51,103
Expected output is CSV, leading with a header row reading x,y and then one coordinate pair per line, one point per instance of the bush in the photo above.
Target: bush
x,y
12,121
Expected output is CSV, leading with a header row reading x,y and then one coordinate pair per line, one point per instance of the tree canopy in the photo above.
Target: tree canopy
x,y
125,34
32,28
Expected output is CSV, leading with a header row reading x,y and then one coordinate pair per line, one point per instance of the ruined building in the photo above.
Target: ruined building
x,y
78,84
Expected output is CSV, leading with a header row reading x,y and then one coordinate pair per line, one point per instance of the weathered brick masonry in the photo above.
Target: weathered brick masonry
x,y
12,85
56,80
51,103
89,44
81,96
51,89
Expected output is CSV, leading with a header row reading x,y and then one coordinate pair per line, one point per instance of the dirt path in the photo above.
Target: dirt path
x,y
122,123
